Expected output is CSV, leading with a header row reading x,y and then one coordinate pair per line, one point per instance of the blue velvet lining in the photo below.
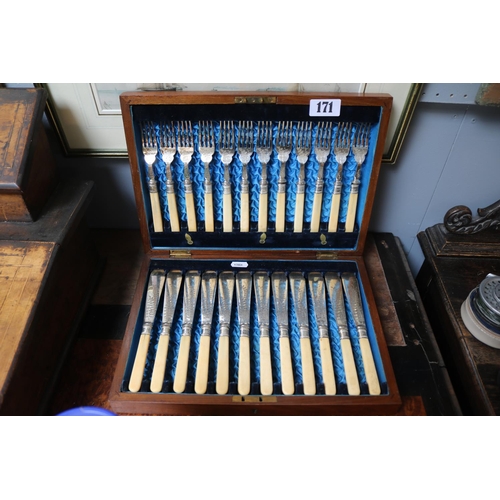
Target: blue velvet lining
x,y
254,168
176,331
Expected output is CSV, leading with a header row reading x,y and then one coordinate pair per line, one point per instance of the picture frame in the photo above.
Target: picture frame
x,y
87,117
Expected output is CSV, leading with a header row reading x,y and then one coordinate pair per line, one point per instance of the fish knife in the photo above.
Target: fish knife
x,y
261,284
299,295
243,301
335,291
226,292
155,285
317,289
191,287
173,283
351,287
280,294
208,289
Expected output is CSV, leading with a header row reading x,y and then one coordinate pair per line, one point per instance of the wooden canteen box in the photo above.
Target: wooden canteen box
x,y
254,297
27,167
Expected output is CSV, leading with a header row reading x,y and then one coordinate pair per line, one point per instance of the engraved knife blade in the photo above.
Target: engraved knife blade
x,y
173,283
262,291
243,301
299,296
155,285
208,289
351,287
226,292
191,287
280,293
336,294
317,289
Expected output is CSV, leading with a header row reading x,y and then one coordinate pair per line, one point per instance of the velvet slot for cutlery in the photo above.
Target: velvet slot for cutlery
x,y
254,296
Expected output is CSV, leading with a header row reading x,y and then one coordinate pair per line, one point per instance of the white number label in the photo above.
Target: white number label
x,y
324,107
239,264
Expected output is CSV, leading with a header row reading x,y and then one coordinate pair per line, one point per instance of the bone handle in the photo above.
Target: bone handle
x,y
287,382
227,213
174,216
244,367
245,213
160,364
327,366
209,213
369,364
262,225
316,212
222,380
350,368
351,212
266,373
156,209
280,212
201,380
307,367
299,213
334,213
191,212
139,364
182,364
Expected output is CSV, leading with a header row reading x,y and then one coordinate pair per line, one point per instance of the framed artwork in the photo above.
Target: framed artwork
x,y
88,120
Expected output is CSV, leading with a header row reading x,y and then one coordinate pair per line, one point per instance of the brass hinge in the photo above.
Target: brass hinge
x,y
180,254
255,100
327,255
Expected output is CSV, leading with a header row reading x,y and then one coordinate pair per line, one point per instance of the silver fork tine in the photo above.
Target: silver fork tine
x,y
322,148
341,150
245,147
149,150
359,150
207,148
168,149
227,149
264,145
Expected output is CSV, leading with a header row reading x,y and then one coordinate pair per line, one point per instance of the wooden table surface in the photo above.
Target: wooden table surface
x,y
86,376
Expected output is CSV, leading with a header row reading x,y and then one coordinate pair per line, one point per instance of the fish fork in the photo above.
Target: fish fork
x,y
245,150
264,150
303,148
168,150
207,148
149,150
322,147
359,150
341,149
284,143
226,149
186,150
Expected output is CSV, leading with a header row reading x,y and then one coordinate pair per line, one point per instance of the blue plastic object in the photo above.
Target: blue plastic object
x,y
87,411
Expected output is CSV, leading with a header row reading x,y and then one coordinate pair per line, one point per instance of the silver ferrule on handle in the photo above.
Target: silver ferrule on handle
x,y
170,188
208,186
186,330
146,328
283,331
188,186
301,186
165,328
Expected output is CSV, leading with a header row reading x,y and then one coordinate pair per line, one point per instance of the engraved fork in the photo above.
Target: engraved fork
x,y
245,150
149,150
284,143
264,150
186,150
226,149
207,148
322,148
303,148
341,149
168,149
359,150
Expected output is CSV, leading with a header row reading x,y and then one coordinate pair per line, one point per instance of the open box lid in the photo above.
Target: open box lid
x,y
172,110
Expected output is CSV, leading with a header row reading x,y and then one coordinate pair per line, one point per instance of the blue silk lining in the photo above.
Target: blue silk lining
x,y
175,336
254,168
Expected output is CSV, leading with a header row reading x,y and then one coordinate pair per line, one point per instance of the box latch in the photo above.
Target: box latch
x,y
327,255
255,100
180,254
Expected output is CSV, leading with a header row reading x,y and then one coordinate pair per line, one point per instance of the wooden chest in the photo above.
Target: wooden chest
x,y
27,167
254,296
